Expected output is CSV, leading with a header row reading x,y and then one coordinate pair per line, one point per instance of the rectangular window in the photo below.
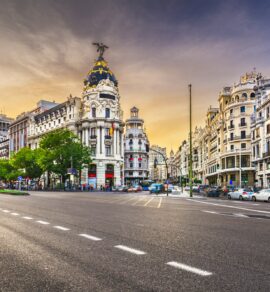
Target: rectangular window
x,y
93,150
243,134
93,132
268,129
93,112
243,122
131,165
231,136
242,109
243,145
107,113
108,150
232,147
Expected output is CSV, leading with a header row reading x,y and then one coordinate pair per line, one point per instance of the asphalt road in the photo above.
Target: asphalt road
x,y
132,242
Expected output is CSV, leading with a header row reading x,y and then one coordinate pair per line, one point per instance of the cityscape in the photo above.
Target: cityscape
x,y
136,176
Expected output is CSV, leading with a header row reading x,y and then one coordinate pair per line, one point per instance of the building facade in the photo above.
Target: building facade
x,y
4,138
19,129
221,150
136,149
260,129
158,173
96,119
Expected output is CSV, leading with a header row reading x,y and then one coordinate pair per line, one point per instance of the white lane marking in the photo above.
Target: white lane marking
x,y
240,215
61,228
27,218
90,237
226,206
189,269
148,202
43,222
245,203
15,214
6,211
159,204
211,212
131,250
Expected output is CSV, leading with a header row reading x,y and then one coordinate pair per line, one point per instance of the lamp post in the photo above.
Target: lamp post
x,y
190,142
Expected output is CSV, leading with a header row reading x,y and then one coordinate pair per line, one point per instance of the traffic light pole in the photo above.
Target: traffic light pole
x,y
190,142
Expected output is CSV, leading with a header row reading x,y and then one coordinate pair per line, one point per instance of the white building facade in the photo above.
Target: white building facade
x,y
136,149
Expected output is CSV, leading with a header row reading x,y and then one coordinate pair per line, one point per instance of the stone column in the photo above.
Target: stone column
x,y
83,136
100,173
87,136
117,174
114,143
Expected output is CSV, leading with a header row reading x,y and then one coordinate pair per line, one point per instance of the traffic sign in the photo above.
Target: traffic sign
x,y
19,178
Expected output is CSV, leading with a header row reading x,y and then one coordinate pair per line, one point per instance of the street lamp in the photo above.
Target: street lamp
x,y
190,142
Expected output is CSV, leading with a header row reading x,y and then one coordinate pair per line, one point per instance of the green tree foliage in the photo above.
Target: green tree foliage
x,y
27,160
61,150
8,171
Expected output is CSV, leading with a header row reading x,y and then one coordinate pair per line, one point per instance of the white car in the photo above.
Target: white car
x,y
241,194
263,195
176,190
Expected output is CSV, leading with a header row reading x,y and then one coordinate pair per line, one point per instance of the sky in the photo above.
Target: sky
x,y
156,49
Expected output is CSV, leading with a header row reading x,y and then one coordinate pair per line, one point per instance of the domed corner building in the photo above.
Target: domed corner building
x,y
102,126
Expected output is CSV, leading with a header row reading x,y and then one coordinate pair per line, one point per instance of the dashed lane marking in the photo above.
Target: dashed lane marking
x,y
15,214
94,238
6,211
159,204
43,222
211,212
129,249
148,202
27,218
61,228
189,269
227,206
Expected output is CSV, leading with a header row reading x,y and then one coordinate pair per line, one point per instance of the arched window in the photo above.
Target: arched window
x,y
130,142
236,98
244,96
252,95
130,136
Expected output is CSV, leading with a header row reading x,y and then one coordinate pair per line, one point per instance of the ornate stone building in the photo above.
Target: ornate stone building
x,y
97,120
4,139
159,173
101,126
136,149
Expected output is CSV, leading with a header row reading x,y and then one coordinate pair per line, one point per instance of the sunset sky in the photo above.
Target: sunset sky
x,y
156,49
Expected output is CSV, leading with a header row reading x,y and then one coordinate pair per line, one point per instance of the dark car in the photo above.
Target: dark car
x,y
213,192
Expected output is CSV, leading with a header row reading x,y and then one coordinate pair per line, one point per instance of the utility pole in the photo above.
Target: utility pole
x,y
190,142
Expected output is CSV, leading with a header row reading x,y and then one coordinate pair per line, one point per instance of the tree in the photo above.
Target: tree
x,y
62,150
27,160
8,171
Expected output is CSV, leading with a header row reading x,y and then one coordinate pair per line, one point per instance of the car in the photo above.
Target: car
x,y
156,188
176,190
263,195
241,194
213,192
135,189
120,188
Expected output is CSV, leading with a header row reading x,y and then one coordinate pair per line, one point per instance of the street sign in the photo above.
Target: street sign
x,y
231,182
19,178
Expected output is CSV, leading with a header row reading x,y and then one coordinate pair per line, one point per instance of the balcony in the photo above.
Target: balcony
x,y
266,154
242,124
235,138
108,137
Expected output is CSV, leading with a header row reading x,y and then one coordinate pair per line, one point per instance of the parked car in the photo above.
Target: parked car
x,y
120,188
227,189
156,189
135,189
263,195
241,194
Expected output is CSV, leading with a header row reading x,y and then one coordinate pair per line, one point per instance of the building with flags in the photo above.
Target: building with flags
x,y
136,149
96,118
101,125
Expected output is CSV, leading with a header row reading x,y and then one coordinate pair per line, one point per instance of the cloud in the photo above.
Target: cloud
x,y
156,49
